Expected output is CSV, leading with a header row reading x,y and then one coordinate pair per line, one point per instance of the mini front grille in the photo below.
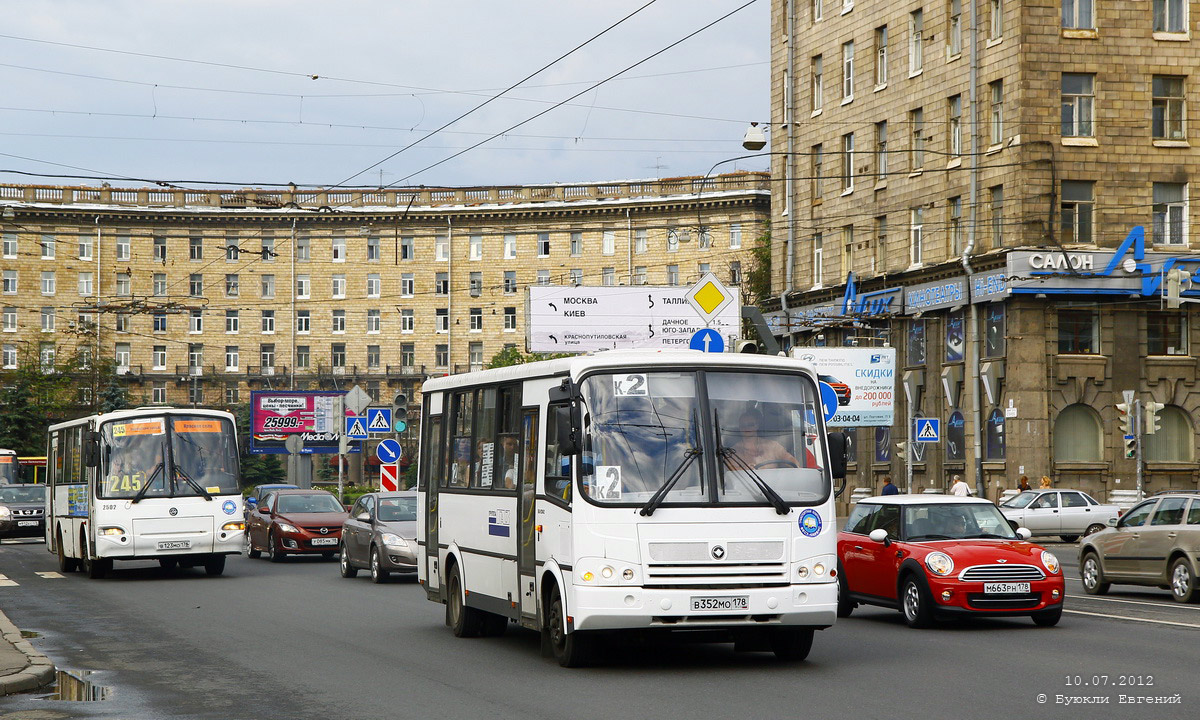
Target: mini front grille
x,y
1001,573
1021,601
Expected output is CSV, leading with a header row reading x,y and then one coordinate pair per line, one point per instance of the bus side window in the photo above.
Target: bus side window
x,y
558,466
431,454
53,476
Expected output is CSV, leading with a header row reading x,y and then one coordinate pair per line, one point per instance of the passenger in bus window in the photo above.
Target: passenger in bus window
x,y
509,460
759,451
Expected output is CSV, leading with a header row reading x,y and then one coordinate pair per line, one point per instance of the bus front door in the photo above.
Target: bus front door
x,y
527,522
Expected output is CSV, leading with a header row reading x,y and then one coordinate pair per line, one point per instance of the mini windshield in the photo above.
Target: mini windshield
x,y
23,494
1019,500
135,461
315,503
950,521
644,428
402,509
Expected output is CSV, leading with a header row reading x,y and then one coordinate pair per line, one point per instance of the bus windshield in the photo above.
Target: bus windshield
x,y
643,429
8,468
135,455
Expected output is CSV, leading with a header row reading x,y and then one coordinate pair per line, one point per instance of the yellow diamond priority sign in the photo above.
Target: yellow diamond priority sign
x,y
708,297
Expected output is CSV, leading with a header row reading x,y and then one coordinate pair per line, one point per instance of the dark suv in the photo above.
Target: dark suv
x,y
22,509
1156,543
295,522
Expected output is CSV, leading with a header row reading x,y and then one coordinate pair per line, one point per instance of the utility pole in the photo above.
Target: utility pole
x,y
1137,435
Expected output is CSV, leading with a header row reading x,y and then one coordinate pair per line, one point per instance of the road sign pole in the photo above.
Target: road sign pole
x,y
340,461
1137,440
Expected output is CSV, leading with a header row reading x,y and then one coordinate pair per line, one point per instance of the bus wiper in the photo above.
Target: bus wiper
x,y
688,458
739,463
194,484
141,493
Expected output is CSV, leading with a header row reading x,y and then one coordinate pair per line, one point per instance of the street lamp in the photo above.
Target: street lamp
x,y
755,138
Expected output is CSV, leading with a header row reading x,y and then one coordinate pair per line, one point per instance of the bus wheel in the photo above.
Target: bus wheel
x,y
65,564
570,649
791,644
96,568
464,621
214,565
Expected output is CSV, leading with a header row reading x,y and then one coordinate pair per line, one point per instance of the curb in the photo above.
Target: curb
x,y
38,672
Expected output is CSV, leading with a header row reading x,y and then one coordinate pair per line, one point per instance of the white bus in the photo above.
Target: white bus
x,y
631,490
8,467
155,483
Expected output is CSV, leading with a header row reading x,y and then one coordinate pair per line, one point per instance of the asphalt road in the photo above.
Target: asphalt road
x,y
295,640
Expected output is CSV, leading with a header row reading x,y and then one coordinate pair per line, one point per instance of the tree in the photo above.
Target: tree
x,y
756,285
512,356
33,396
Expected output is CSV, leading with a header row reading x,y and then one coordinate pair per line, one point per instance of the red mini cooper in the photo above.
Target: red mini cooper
x,y
934,556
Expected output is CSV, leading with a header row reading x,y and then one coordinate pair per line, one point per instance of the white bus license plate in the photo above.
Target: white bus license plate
x,y
175,545
737,602
27,523
324,541
1002,588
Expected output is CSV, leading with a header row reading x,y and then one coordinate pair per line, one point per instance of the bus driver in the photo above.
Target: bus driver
x,y
759,451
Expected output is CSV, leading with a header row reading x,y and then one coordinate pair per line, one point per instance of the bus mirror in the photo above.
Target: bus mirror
x,y
564,392
565,432
91,449
837,454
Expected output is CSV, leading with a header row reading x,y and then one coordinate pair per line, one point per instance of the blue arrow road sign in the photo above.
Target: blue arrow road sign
x,y
379,420
389,451
356,427
708,340
929,430
829,401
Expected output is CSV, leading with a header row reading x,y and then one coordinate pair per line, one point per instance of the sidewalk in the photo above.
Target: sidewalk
x,y
21,667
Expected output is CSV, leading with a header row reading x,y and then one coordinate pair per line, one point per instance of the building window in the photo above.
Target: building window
x,y
475,356
374,285
373,321
735,235
303,321
408,355
339,321
1077,435
847,249
48,319
995,445
881,55
995,20
916,42
49,282
954,111
818,83
476,319
160,284
158,393
608,276
267,286
195,284
1077,211
373,357
443,320
576,244
160,250
1078,332
1078,15
407,320
441,284
881,151
10,319
408,248
268,321
672,274
441,355
338,286
735,272
232,285
232,251
303,248
125,286
1167,113
407,285
996,207
916,157
1170,214
123,252
510,319
543,244
848,71
475,247
303,287
1078,94
818,260
818,158
266,246
954,28
10,245
996,124
10,282
640,238
49,246
195,248
303,357
337,355
879,258
1166,333
476,284
196,321
817,9
608,242
441,247
338,249
955,229
122,322
372,248
1175,441
639,275
232,357
916,235
1170,16
232,321
543,277
510,246
510,282
848,163
158,357
159,322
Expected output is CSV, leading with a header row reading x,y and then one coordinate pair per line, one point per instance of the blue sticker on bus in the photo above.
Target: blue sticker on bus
x,y
230,507
499,523
810,523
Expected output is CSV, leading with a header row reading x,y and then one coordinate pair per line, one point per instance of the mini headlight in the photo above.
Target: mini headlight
x,y
285,527
939,563
112,531
394,540
1050,561
607,572
234,526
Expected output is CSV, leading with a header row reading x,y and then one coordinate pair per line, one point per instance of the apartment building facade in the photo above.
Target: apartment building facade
x,y
997,188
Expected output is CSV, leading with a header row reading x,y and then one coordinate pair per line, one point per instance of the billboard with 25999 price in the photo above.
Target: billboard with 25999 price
x,y
864,380
275,415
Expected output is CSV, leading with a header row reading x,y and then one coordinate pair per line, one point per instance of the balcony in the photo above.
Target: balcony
x,y
129,371
397,373
186,372
265,371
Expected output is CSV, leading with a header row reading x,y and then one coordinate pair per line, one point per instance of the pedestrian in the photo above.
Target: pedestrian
x,y
1045,482
1023,484
958,487
888,487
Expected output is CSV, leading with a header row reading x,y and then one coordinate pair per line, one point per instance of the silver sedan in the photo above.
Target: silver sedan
x,y
381,536
1066,513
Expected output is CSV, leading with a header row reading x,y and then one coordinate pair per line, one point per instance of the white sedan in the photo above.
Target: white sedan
x,y
1066,513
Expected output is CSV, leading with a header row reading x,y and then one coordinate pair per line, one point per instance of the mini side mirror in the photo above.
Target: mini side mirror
x,y
1024,533
880,535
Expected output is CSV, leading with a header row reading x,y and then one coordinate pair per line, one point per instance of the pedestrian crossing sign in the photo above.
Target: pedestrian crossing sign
x,y
356,427
379,420
929,430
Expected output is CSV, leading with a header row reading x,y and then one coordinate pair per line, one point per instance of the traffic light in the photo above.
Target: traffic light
x,y
747,346
902,448
1153,421
1130,446
400,412
1126,417
1178,280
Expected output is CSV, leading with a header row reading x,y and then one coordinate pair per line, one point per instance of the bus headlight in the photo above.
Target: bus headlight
x,y
234,526
393,540
607,572
112,530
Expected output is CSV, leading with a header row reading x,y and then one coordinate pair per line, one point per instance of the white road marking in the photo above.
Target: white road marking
x,y
50,575
1135,619
1181,606
8,583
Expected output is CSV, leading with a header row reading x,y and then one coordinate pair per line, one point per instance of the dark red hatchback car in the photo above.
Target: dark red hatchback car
x,y
935,556
295,522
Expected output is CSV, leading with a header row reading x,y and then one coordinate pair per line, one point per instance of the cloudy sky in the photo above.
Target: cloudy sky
x,y
256,92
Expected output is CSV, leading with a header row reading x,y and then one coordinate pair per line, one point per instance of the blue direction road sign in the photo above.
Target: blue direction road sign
x,y
929,430
389,451
708,340
379,420
829,401
356,427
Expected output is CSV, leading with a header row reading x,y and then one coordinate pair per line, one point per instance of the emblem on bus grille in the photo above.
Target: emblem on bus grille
x,y
718,552
173,512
